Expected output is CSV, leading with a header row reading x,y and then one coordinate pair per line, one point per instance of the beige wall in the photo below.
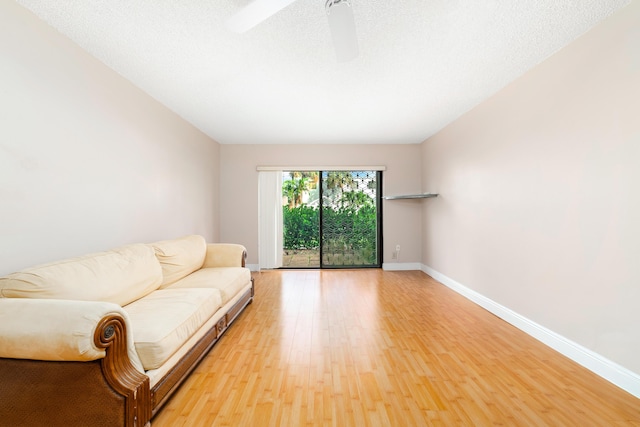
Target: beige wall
x,y
239,188
87,160
540,199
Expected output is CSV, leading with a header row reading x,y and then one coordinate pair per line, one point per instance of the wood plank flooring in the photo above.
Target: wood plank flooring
x,y
382,348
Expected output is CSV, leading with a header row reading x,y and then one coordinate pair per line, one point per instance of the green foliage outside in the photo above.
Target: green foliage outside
x,y
356,231
301,227
356,234
351,212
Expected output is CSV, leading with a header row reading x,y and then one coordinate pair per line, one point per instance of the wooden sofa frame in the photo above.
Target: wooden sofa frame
x,y
105,392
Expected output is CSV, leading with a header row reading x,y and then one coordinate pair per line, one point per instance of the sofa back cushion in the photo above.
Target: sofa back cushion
x,y
120,276
180,257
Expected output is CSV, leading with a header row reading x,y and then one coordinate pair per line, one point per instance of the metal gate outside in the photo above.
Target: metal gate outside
x,y
350,219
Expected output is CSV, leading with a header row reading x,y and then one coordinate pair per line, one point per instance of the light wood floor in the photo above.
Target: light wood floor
x,y
381,348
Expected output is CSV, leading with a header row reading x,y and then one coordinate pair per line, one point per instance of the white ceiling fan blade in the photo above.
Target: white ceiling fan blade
x,y
254,13
343,30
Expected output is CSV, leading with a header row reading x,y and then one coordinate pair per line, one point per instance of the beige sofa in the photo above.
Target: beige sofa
x,y
104,339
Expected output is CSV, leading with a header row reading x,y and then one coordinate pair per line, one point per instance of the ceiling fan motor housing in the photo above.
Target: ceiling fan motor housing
x,y
329,3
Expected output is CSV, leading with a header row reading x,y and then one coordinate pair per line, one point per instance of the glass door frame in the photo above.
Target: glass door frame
x,y
378,202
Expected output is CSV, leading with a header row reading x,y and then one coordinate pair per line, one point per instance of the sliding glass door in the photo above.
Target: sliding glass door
x,y
332,219
301,219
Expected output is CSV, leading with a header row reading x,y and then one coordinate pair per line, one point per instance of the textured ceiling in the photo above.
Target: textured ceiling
x,y
422,63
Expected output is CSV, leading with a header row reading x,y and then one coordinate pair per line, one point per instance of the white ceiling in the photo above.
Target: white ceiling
x,y
422,63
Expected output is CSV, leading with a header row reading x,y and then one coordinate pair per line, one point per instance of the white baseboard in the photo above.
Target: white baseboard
x,y
607,369
401,266
253,267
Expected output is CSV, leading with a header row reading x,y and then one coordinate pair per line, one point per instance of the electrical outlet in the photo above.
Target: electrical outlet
x,y
394,255
397,248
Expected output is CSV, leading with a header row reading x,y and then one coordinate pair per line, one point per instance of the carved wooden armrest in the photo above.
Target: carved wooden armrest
x,y
77,354
124,378
54,329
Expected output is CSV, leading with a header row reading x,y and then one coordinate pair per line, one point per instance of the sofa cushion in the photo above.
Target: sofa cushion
x,y
119,276
229,280
180,257
165,319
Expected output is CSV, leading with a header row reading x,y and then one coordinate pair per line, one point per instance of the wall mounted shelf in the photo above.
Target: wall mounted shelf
x,y
411,196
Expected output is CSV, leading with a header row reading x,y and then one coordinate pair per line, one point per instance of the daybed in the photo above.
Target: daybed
x,y
105,339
